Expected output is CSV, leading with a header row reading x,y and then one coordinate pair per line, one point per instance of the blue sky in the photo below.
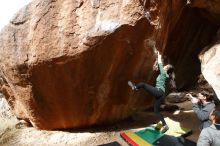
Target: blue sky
x,y
8,8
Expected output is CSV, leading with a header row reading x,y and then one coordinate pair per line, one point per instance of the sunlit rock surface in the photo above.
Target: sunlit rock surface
x,y
210,66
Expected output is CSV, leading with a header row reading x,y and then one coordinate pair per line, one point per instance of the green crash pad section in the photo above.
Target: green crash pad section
x,y
149,134
175,129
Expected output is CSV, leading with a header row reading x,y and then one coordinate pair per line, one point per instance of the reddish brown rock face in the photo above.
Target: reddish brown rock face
x,y
191,34
65,64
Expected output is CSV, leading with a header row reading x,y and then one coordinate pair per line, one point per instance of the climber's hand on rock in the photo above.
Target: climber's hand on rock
x,y
159,57
194,100
189,95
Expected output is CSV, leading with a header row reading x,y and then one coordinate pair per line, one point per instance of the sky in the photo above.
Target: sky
x,y
8,8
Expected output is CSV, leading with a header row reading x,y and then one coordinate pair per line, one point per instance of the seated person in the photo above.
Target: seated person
x,y
210,136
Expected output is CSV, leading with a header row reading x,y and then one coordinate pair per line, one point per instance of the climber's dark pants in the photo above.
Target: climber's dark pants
x,y
158,94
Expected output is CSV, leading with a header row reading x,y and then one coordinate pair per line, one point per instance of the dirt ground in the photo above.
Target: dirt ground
x,y
28,136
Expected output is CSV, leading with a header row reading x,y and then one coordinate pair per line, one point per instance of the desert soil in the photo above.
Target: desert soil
x,y
20,135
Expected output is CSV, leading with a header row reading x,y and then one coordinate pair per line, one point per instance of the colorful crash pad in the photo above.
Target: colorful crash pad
x,y
175,128
148,136
133,139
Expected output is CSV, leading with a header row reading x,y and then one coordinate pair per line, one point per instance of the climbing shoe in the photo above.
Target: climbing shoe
x,y
164,129
133,87
158,126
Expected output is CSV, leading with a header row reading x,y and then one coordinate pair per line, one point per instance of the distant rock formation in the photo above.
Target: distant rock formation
x,y
65,63
210,66
209,56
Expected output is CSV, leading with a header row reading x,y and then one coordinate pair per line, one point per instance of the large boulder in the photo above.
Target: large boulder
x,y
66,63
210,67
209,56
195,30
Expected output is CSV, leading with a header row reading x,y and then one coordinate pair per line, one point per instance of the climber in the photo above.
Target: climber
x,y
210,136
166,72
202,106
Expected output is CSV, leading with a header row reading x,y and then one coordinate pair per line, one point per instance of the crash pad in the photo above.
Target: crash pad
x,y
149,135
